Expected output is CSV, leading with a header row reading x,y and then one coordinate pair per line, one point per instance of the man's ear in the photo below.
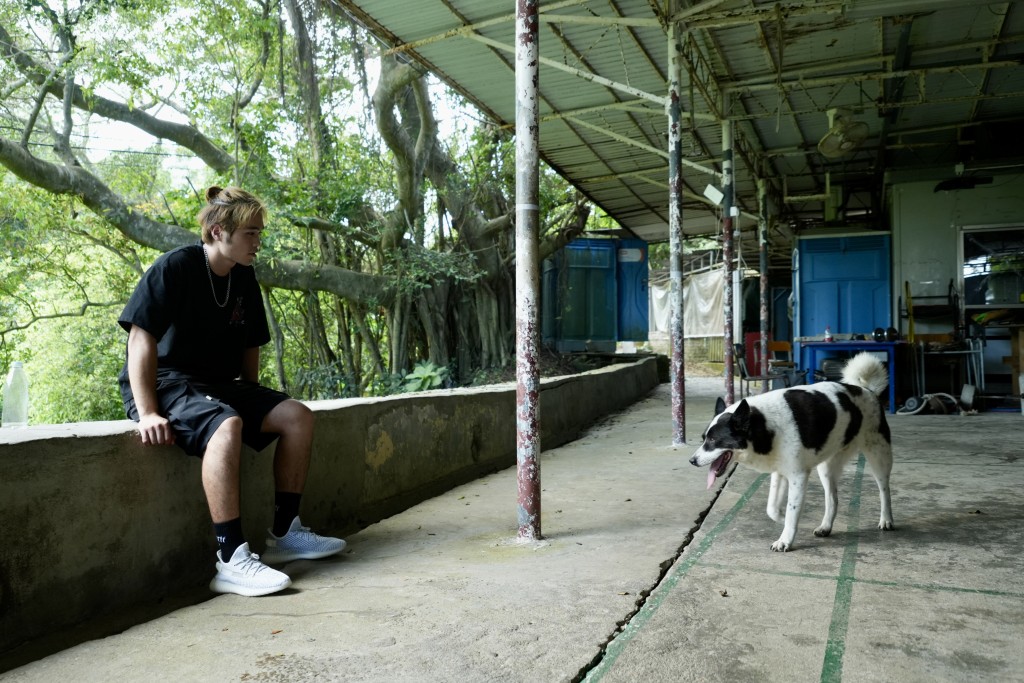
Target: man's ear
x,y
216,231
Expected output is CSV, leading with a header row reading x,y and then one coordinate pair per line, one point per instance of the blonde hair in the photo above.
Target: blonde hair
x,y
228,207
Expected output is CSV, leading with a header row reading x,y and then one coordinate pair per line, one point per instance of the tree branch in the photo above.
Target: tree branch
x,y
313,223
70,314
185,135
262,61
76,181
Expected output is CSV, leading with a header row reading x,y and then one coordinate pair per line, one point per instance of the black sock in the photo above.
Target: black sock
x,y
286,508
229,537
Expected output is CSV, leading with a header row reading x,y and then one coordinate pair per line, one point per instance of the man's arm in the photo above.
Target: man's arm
x,y
251,364
142,355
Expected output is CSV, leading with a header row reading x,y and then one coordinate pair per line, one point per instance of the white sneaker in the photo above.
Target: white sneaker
x,y
246,575
300,544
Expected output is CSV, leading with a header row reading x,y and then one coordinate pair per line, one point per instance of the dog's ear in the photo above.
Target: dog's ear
x,y
719,406
741,417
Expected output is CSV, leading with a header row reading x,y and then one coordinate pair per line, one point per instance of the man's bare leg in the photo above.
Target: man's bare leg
x,y
221,471
294,422
288,539
242,574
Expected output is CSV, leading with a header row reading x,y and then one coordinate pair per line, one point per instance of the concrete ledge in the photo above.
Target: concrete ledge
x,y
95,523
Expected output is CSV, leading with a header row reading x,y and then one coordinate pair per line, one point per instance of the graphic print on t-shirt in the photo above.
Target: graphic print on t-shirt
x,y
238,313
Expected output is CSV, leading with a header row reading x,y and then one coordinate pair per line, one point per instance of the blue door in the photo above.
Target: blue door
x,y
843,283
631,278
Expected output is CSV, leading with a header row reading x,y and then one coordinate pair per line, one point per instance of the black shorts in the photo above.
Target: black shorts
x,y
195,411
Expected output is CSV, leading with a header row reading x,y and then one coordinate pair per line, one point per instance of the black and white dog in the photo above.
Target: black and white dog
x,y
787,432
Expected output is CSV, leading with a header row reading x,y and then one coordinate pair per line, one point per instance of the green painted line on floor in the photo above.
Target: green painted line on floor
x,y
868,582
904,462
942,589
769,572
835,648
618,644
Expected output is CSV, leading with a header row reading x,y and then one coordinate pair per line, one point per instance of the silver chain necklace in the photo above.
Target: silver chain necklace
x,y
209,274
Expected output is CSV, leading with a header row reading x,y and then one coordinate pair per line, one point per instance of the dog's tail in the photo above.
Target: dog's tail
x,y
867,372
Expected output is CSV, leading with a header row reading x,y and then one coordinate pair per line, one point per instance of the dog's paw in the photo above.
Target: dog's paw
x,y
885,525
823,531
780,547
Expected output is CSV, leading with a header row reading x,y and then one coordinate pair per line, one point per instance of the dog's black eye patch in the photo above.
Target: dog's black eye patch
x,y
815,416
722,435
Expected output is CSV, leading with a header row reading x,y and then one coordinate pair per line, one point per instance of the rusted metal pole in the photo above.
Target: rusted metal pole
x,y
762,243
675,235
527,274
727,241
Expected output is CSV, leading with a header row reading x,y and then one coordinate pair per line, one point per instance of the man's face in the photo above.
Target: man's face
x,y
242,245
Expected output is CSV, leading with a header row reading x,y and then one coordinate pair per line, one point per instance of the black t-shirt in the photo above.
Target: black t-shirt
x,y
197,339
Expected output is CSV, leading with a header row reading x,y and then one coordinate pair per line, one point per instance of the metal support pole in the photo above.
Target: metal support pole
x,y
762,243
727,257
675,233
527,272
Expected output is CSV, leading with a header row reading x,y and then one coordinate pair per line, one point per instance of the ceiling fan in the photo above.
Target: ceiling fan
x,y
844,134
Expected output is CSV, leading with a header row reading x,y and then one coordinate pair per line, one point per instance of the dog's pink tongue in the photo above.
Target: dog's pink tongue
x,y
717,465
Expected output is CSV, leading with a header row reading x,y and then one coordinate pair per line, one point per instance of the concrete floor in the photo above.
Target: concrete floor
x,y
642,576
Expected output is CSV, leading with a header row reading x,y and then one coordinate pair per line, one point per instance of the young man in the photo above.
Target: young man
x,y
195,325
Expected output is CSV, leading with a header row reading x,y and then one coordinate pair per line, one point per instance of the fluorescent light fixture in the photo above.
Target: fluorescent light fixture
x,y
714,194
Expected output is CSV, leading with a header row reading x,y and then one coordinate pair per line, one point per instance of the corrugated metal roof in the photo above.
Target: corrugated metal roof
x,y
923,75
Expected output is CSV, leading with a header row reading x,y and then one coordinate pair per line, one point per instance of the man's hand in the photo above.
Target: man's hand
x,y
142,350
155,430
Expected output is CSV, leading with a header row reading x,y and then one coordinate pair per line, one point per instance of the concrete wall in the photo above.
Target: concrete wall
x,y
926,254
926,229
94,523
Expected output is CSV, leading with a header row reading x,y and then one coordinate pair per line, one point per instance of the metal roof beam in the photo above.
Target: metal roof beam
x,y
660,183
905,104
871,76
702,76
753,15
873,9
583,64
642,175
647,148
468,29
632,106
545,14
684,14
989,50
833,67
585,75
549,18
882,61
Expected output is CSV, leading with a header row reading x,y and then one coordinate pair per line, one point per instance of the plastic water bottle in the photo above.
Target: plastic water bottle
x,y
16,397
828,333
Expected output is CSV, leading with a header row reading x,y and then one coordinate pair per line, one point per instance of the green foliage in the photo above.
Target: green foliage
x,y
421,268
73,369
325,382
658,254
60,295
196,62
425,375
